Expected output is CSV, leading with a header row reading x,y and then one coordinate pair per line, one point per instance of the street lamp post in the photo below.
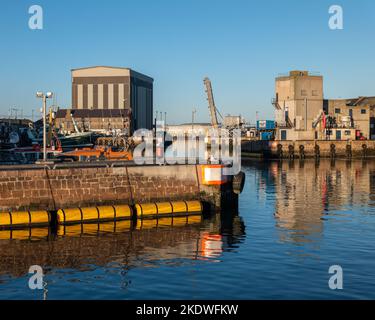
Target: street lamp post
x,y
156,120
193,118
43,96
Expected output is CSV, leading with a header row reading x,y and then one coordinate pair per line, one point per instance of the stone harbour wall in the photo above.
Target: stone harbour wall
x,y
270,149
41,188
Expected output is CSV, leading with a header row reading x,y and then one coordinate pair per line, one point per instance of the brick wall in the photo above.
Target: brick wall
x,y
33,188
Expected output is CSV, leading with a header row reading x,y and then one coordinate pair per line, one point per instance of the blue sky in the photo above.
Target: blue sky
x,y
240,44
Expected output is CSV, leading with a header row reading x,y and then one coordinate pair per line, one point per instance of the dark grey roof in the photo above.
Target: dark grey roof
x,y
94,113
360,101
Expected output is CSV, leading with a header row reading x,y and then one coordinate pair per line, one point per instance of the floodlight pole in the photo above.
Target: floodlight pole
x,y
44,128
44,96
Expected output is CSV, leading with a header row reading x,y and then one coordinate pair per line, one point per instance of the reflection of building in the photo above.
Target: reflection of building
x,y
110,90
302,113
305,191
300,200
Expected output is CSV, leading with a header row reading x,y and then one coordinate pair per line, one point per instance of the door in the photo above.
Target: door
x,y
283,134
338,134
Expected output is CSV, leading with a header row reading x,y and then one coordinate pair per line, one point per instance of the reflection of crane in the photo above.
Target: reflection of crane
x,y
211,103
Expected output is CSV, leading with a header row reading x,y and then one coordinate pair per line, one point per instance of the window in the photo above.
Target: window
x,y
347,132
303,93
337,110
315,93
363,111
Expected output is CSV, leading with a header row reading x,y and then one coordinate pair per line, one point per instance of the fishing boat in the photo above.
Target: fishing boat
x,y
97,153
73,140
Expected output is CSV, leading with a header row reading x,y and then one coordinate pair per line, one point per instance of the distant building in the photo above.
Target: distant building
x,y
233,121
93,120
357,113
186,128
302,113
110,94
16,122
298,101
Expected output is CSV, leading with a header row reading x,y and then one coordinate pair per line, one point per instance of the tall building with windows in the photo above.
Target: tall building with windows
x,y
302,113
298,101
108,91
357,113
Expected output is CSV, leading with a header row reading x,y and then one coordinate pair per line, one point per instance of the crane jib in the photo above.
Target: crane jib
x,y
211,103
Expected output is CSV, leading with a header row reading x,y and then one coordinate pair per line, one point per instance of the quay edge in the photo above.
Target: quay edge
x,y
308,149
34,187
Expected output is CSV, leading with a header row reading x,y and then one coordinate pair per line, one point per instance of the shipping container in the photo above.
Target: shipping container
x,y
265,125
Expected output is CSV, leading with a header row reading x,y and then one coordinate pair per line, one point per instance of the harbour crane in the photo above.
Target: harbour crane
x,y
229,122
211,103
320,118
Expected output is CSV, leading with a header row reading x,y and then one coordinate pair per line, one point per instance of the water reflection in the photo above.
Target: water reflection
x,y
145,243
308,192
301,218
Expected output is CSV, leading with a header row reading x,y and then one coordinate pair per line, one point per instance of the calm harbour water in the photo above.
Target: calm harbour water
x,y
295,220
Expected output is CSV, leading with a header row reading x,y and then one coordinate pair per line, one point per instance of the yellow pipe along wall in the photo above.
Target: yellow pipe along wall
x,y
19,219
165,209
77,230
94,214
125,212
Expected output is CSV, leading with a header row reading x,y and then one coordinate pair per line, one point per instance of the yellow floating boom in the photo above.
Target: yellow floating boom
x,y
94,214
174,208
17,219
22,219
